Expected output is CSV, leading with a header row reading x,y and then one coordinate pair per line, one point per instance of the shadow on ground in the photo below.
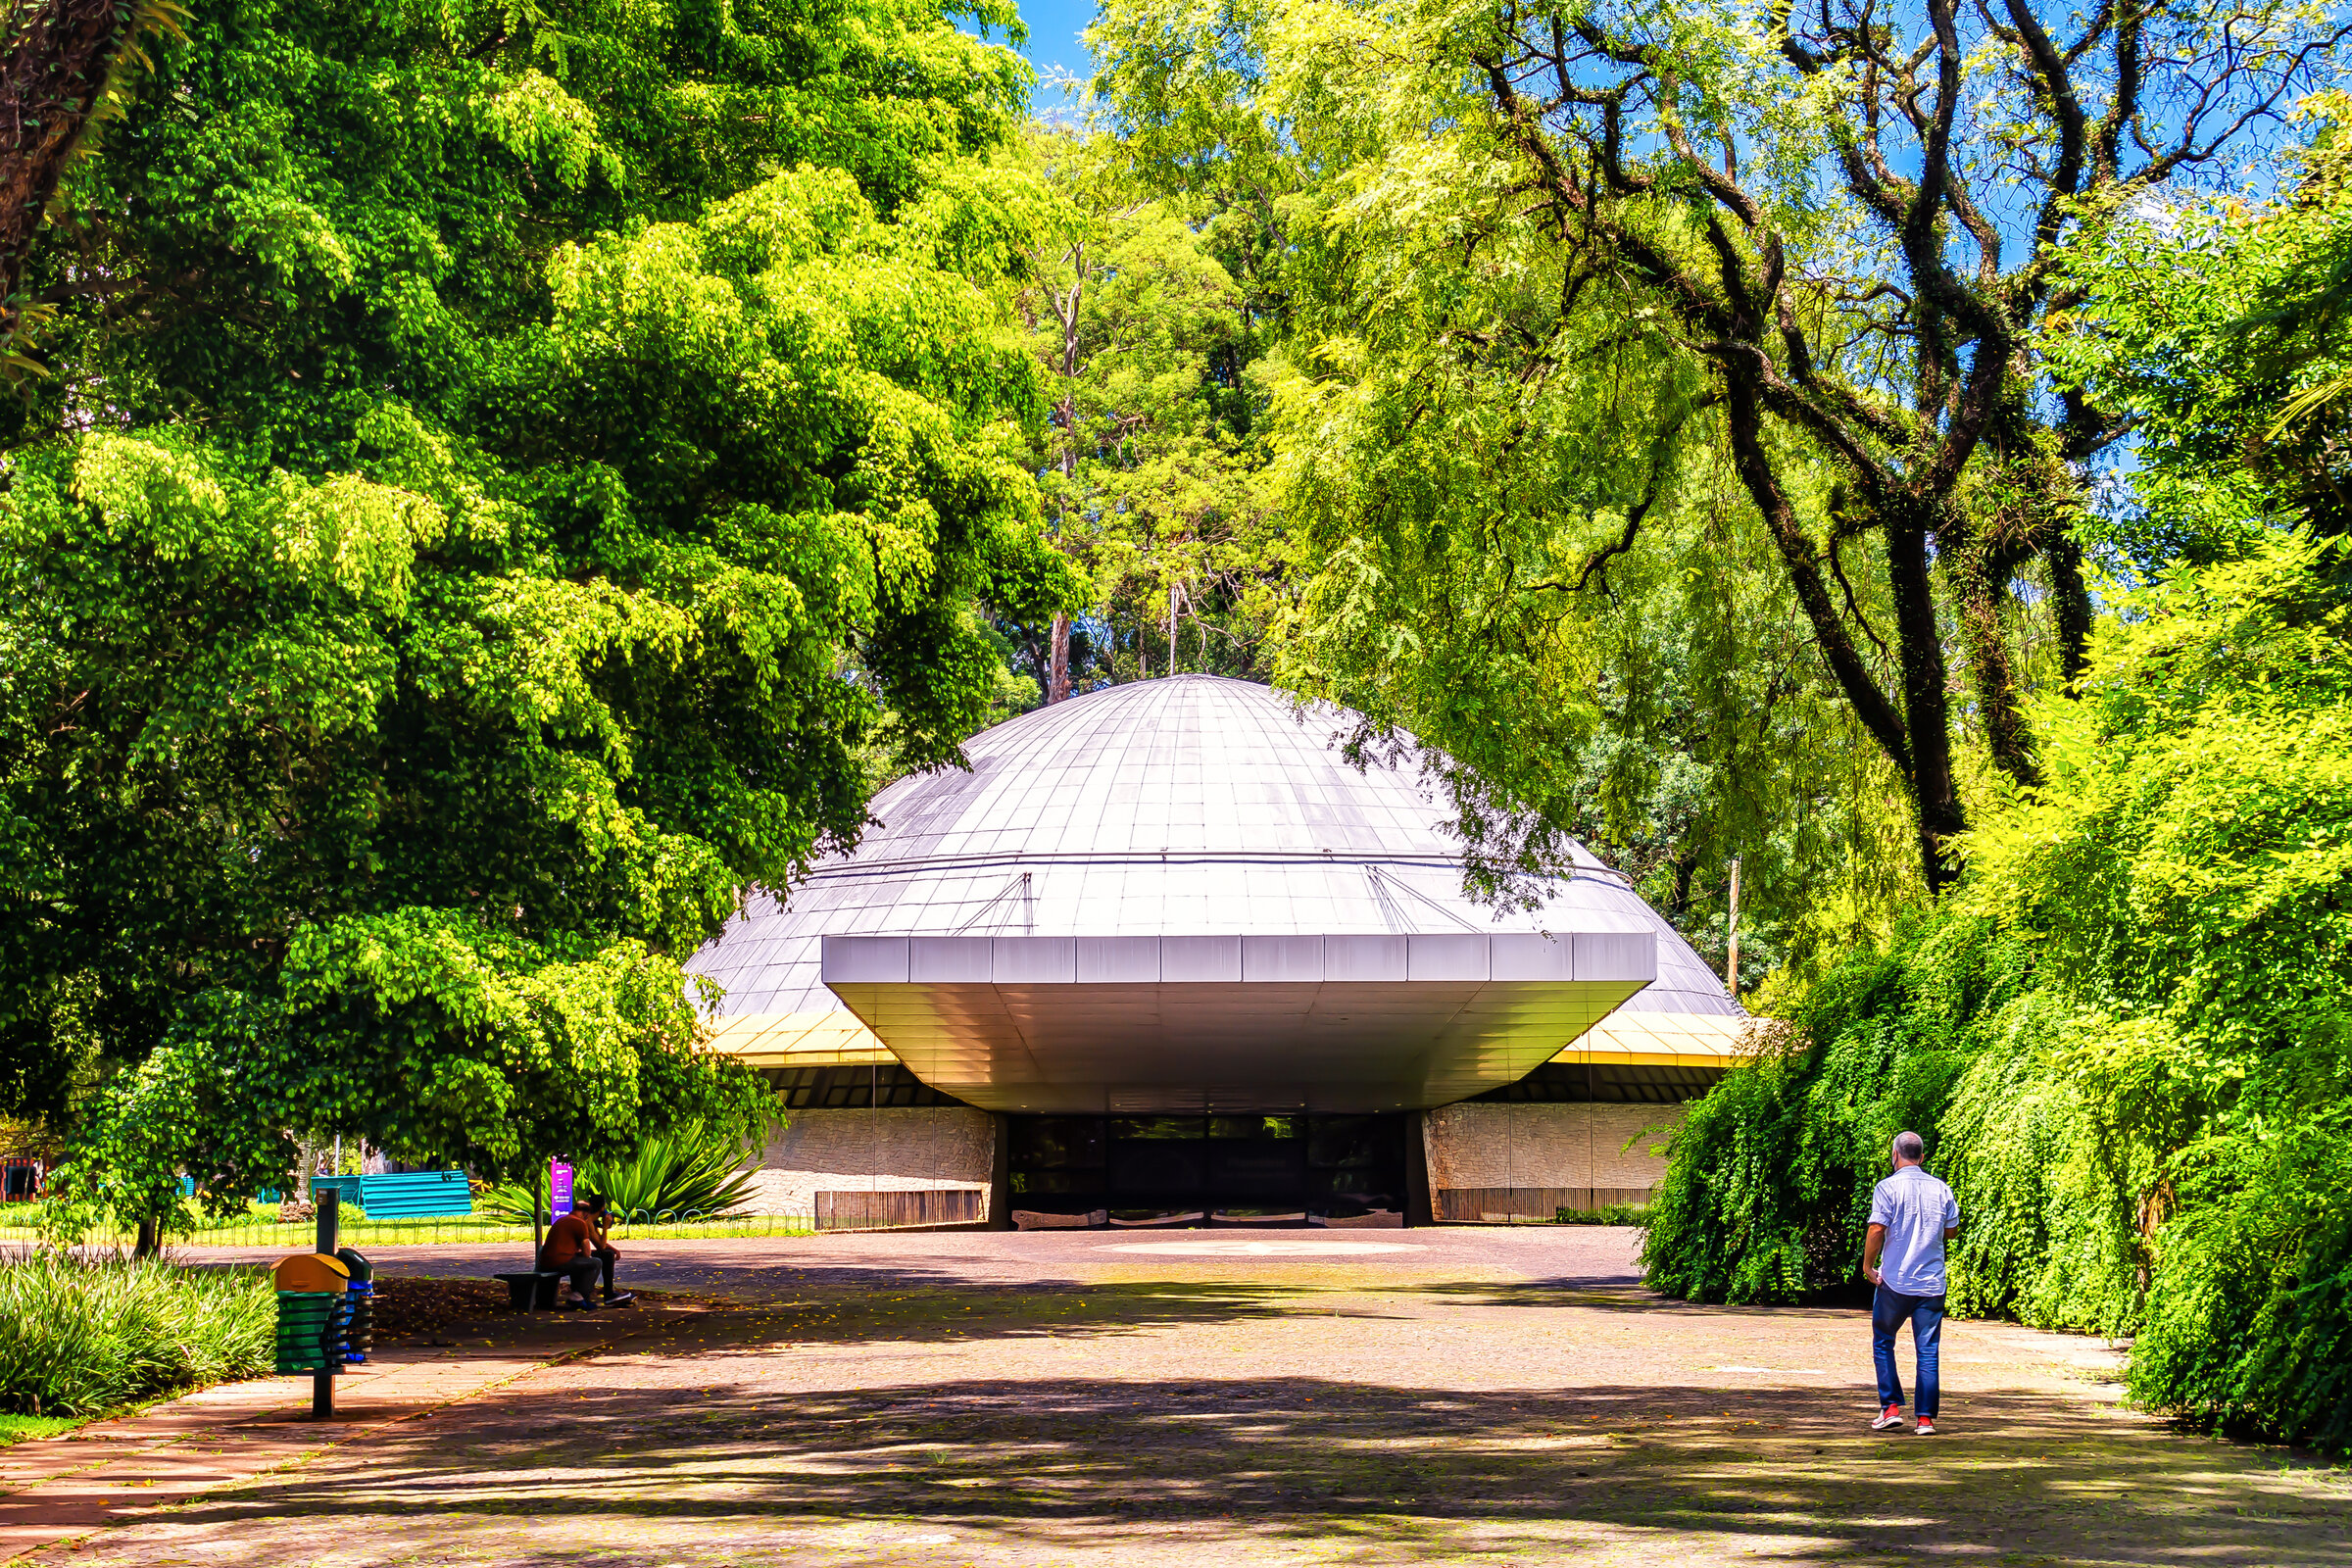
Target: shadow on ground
x,y
1070,1465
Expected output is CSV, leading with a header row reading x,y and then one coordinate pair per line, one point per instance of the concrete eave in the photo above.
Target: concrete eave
x,y
1090,1025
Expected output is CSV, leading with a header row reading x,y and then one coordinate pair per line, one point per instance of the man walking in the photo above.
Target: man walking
x,y
1912,1215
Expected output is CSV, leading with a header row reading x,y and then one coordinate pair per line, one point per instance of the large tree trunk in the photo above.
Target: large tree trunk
x,y
1057,686
52,80
1927,699
1980,573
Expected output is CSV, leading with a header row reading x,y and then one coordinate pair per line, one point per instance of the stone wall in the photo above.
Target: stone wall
x,y
892,1150
1578,1146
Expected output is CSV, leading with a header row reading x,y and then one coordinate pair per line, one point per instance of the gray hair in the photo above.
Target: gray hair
x,y
1910,1147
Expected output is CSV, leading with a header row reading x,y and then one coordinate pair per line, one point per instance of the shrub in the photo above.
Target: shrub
x,y
2249,1316
693,1170
1767,1185
2127,1036
78,1338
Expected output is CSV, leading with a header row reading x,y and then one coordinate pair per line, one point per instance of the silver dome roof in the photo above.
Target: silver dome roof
x,y
1184,806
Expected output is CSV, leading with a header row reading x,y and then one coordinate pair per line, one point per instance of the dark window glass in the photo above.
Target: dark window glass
x,y
1057,1143
1159,1127
1156,1166
1557,1082
851,1088
1034,1181
1254,1127
1262,1169
1346,1140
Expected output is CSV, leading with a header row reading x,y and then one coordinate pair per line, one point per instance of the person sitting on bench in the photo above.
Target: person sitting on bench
x,y
577,1248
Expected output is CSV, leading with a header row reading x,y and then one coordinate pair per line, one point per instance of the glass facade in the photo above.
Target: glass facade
x,y
1145,1168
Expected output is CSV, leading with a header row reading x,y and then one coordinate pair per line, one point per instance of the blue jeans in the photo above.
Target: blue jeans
x,y
1889,1311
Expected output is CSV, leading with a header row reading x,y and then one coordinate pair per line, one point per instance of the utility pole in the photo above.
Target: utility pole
x,y
1731,964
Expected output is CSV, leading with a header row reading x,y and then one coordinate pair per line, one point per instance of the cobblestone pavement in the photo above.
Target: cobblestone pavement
x,y
1207,1398
135,1466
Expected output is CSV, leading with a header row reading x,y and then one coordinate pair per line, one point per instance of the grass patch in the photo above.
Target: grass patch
x,y
1609,1214
78,1337
18,1427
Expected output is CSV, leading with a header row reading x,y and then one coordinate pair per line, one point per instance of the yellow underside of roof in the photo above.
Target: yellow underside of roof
x,y
1623,1040
801,1040
1661,1040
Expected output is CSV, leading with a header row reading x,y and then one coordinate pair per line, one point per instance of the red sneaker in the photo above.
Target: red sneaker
x,y
1891,1416
1926,1427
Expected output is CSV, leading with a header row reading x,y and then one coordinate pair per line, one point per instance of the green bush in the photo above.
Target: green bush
x,y
1606,1215
1767,1187
78,1338
2126,1038
2249,1318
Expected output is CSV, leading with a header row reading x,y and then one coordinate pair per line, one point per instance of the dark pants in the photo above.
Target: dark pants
x,y
583,1270
580,1271
1889,1311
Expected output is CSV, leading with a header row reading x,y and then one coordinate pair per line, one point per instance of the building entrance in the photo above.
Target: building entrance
x,y
1264,1167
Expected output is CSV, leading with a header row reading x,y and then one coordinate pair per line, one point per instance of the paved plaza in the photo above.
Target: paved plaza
x,y
1213,1397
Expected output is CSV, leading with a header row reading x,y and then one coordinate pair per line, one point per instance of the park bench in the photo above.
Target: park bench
x,y
531,1291
534,1291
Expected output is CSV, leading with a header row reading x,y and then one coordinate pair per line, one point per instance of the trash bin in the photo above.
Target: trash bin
x,y
358,1306
310,1330
311,1289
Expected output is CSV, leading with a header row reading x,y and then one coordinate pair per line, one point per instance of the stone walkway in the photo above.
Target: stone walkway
x,y
114,1472
1205,1398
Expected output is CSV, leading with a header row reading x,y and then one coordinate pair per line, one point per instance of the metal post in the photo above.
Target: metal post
x,y
1730,965
322,1382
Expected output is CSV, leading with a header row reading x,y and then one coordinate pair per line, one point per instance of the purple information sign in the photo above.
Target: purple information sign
x,y
559,1187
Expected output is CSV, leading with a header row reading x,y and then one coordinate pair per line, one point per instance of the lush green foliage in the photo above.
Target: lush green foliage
x,y
1767,1189
503,486
81,1336
1151,470
2128,1038
2128,1041
2223,333
1554,274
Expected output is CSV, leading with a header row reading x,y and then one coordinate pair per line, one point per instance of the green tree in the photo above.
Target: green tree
x,y
2126,1034
1152,471
503,484
1825,239
2221,332
63,65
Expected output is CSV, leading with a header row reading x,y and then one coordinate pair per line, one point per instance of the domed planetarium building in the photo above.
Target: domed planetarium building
x,y
1161,955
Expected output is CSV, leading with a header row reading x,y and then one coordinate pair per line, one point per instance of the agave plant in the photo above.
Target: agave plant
x,y
690,1172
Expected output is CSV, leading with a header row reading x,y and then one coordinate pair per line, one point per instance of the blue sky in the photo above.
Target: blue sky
x,y
1053,28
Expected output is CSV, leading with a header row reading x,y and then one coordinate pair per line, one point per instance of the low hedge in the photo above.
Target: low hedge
x,y
81,1337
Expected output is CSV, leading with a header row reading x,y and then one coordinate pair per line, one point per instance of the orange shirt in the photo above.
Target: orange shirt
x,y
567,1240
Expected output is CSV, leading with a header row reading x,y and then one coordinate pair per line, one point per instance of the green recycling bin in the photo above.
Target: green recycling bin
x,y
310,1330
